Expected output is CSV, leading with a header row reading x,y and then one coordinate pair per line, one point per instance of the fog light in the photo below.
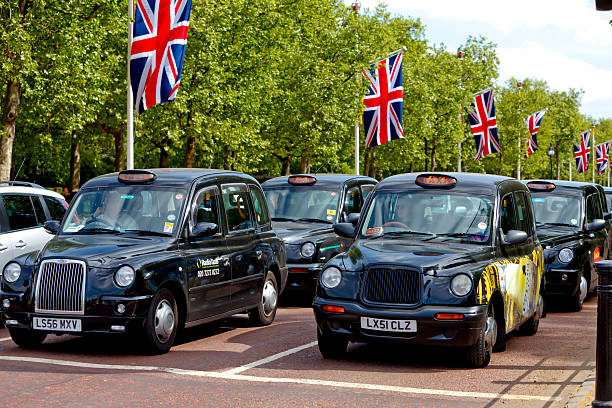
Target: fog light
x,y
6,303
120,308
564,277
118,328
11,322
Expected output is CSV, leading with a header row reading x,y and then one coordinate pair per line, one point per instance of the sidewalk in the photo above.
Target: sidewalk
x,y
584,395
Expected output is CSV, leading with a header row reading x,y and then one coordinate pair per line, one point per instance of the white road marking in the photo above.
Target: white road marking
x,y
334,384
269,359
5,339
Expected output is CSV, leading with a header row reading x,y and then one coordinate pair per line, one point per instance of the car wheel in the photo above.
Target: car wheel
x,y
161,322
331,346
264,313
479,354
530,327
578,299
26,338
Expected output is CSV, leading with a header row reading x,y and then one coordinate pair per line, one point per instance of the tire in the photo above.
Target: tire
x,y
264,313
577,300
161,323
331,346
26,338
530,327
479,354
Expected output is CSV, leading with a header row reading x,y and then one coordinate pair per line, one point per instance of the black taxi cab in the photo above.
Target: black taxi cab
x,y
304,209
608,194
438,259
570,223
149,252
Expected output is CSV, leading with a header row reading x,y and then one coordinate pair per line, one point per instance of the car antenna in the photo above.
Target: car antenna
x,y
18,171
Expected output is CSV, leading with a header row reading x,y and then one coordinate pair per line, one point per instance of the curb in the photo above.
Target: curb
x,y
584,395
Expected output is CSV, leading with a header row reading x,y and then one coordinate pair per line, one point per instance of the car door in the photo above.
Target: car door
x,y
207,264
597,240
242,244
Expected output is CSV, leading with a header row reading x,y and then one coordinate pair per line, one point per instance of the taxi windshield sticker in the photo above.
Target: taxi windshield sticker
x,y
372,231
331,212
482,225
168,227
179,196
333,193
127,197
171,217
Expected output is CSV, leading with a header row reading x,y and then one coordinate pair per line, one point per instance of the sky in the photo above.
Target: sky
x,y
567,43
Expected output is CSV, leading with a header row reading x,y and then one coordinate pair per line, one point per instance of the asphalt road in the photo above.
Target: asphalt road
x,y
231,364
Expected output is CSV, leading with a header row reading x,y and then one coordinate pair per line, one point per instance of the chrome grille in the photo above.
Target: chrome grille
x,y
392,286
60,287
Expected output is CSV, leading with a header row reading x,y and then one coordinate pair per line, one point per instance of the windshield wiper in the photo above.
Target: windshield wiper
x,y
145,232
402,233
98,230
554,224
313,220
282,219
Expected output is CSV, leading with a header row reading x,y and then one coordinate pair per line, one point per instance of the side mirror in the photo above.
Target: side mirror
x,y
353,218
345,229
596,225
204,229
52,227
513,237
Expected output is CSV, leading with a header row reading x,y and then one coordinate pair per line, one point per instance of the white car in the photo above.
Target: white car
x,y
24,208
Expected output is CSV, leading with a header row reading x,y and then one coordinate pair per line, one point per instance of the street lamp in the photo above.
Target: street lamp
x,y
551,152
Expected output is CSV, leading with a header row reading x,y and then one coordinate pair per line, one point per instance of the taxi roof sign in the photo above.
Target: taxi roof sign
x,y
541,186
436,181
302,180
136,177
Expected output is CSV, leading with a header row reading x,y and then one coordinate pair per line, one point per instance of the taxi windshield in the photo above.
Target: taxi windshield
x,y
131,209
302,203
427,215
556,209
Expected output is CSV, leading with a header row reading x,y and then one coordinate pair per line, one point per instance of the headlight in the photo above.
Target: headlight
x,y
307,250
461,285
124,276
331,277
566,255
12,272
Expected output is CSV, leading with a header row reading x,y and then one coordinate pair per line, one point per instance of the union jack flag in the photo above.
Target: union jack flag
x,y
582,152
601,153
158,50
382,116
533,124
484,124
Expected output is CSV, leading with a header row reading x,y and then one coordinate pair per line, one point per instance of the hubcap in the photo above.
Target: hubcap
x,y
164,321
269,298
583,288
490,332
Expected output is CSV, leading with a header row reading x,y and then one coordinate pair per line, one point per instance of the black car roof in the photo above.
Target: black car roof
x,y
173,177
327,179
570,185
463,179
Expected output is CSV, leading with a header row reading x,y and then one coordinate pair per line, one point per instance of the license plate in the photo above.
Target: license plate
x,y
56,324
388,325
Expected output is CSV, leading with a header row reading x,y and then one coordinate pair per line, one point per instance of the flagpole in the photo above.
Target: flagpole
x,y
570,172
389,55
593,147
519,85
130,97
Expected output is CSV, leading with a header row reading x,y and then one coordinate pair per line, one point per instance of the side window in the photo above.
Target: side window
x,y
259,205
56,208
366,189
522,213
598,206
38,209
590,208
352,200
507,219
237,209
19,211
206,206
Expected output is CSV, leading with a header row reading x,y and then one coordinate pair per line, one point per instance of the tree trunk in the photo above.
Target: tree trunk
x,y
304,165
190,152
119,151
163,157
75,163
372,172
286,166
10,109
366,162
433,158
226,156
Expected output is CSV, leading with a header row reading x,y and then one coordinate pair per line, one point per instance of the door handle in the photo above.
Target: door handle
x,y
225,262
3,247
259,253
20,244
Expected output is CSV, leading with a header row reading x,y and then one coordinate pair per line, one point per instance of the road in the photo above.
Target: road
x,y
231,364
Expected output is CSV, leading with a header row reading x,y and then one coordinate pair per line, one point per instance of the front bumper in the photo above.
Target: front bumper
x,y
430,331
562,281
106,320
303,277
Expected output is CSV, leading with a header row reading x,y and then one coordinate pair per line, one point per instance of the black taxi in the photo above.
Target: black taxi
x,y
304,209
149,252
570,222
438,259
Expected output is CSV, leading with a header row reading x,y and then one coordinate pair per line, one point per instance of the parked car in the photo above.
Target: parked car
x,y
608,194
149,252
438,259
570,221
304,209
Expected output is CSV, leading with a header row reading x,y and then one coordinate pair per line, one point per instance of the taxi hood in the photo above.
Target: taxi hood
x,y
297,232
554,237
411,253
102,250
